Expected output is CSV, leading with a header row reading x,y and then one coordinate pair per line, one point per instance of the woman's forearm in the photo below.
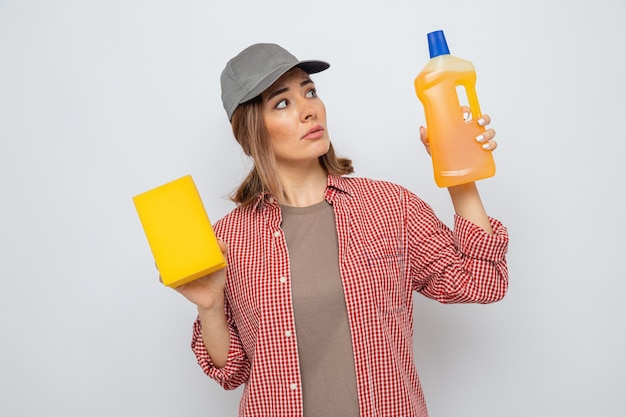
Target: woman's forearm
x,y
215,334
467,204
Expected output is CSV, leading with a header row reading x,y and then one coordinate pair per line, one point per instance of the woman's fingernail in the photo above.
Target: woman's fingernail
x,y
481,122
486,146
465,115
480,138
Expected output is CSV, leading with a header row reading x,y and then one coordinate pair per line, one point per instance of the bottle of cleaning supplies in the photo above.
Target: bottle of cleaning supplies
x,y
457,157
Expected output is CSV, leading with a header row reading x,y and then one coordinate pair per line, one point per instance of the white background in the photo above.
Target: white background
x,y
102,100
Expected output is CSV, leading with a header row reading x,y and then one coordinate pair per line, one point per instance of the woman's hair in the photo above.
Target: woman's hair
x,y
250,131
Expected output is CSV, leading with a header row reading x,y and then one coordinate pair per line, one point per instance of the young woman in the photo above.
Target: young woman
x,y
314,312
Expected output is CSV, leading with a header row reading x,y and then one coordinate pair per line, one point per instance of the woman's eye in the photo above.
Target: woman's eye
x,y
281,104
311,93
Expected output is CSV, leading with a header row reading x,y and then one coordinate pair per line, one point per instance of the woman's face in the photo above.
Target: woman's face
x,y
295,119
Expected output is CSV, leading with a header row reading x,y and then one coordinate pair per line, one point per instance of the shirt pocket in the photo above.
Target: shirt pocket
x,y
388,279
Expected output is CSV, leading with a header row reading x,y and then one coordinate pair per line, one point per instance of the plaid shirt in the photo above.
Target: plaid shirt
x,y
390,244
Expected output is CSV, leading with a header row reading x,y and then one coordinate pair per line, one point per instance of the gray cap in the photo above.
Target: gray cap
x,y
256,68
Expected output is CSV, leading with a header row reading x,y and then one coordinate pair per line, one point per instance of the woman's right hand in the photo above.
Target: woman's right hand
x,y
207,292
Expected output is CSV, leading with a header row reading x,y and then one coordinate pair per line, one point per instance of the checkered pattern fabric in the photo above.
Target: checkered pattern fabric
x,y
391,245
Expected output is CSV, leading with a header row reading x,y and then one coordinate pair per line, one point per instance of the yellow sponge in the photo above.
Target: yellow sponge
x,y
179,232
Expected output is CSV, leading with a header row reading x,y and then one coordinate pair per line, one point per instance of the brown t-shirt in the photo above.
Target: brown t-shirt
x,y
322,329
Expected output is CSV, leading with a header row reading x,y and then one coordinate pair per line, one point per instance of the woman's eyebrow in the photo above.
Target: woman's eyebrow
x,y
277,92
306,81
285,89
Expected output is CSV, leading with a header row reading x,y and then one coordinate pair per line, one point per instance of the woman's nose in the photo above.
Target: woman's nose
x,y
308,111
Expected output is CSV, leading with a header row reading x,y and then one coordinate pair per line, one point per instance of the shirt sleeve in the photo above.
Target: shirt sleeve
x,y
237,368
464,265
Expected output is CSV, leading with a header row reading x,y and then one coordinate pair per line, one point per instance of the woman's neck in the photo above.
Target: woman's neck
x,y
302,188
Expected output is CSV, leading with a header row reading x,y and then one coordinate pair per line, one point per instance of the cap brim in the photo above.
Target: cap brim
x,y
313,67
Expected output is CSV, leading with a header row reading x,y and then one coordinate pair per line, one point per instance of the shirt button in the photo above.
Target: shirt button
x,y
288,333
271,200
293,387
276,233
283,279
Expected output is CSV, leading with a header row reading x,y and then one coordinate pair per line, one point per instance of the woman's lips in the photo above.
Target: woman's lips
x,y
314,133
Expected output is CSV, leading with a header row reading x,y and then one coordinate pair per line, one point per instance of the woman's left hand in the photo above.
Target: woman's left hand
x,y
486,139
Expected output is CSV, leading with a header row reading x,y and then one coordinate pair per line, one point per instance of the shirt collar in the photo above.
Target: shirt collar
x,y
264,197
335,185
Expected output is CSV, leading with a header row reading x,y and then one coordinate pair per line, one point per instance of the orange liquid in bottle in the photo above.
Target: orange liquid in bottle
x,y
457,157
